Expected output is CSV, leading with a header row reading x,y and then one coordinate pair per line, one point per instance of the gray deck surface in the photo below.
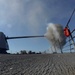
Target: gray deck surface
x,y
45,64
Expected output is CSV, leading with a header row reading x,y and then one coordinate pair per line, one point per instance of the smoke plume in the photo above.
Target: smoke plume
x,y
55,35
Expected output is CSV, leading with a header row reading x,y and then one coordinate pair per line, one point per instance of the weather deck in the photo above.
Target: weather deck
x,y
44,64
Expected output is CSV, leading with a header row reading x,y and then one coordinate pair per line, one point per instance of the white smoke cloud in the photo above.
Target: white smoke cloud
x,y
9,9
55,35
30,13
36,15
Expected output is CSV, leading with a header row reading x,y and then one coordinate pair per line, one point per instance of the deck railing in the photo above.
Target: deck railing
x,y
70,44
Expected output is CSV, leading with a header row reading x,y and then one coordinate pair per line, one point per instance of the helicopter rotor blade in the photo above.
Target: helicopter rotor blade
x,y
70,18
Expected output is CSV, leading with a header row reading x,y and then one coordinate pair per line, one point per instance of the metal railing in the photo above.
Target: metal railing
x,y
70,44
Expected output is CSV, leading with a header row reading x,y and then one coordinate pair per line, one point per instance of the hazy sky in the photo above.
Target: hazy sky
x,y
30,17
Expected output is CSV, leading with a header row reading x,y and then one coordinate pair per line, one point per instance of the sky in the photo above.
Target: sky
x,y
30,18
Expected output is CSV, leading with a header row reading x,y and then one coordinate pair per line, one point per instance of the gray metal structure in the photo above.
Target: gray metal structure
x,y
4,44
